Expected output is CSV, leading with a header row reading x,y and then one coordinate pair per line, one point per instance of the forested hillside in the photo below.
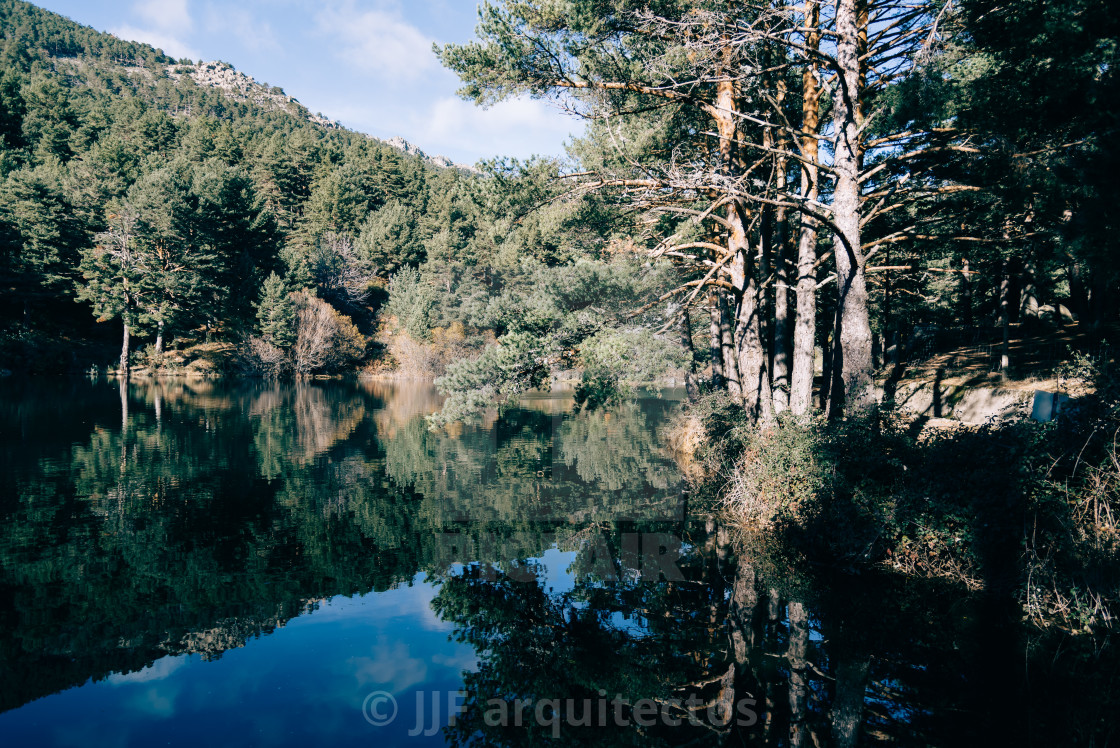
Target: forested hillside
x,y
171,203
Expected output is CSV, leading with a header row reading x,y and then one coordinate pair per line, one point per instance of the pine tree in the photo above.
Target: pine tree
x,y
182,273
117,278
276,313
49,121
388,237
41,236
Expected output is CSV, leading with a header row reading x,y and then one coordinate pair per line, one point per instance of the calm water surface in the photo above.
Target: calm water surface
x,y
272,565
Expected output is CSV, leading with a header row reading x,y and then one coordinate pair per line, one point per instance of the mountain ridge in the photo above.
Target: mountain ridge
x,y
240,86
70,44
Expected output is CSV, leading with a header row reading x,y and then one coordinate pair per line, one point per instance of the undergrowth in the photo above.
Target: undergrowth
x,y
1024,509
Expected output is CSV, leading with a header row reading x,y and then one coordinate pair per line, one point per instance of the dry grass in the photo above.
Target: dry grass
x,y
424,359
685,436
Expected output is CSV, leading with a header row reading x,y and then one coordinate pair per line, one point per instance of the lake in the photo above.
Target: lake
x,y
255,564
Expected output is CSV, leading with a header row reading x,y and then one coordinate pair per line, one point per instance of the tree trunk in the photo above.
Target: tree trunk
x,y
751,355
1078,293
757,397
797,656
781,344
124,370
690,387
1005,319
764,280
780,335
746,341
852,357
828,348
159,338
727,345
1028,302
847,705
805,326
717,340
966,294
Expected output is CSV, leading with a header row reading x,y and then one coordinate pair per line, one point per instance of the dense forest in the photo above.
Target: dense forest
x,y
829,175
137,201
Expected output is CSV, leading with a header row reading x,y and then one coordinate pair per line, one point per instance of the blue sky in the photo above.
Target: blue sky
x,y
365,63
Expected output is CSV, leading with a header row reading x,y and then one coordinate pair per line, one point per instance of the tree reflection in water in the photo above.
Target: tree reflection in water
x,y
170,518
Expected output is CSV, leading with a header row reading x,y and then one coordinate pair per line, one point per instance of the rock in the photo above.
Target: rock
x,y
971,405
442,162
1047,405
1048,312
240,87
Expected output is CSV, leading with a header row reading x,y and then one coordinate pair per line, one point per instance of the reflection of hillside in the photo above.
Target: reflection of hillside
x,y
615,448
156,536
294,424
231,633
404,402
189,517
532,466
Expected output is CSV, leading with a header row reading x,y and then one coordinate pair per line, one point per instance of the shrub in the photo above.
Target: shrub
x,y
412,302
325,340
781,477
259,356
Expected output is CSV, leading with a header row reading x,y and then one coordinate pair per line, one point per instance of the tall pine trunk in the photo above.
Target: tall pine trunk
x,y
124,370
747,338
159,337
745,333
690,386
717,339
781,334
805,325
852,354
753,371
728,349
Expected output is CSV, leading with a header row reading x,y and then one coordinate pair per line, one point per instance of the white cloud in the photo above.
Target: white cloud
x,y
158,39
156,702
158,670
518,127
168,15
458,129
391,667
254,34
378,42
